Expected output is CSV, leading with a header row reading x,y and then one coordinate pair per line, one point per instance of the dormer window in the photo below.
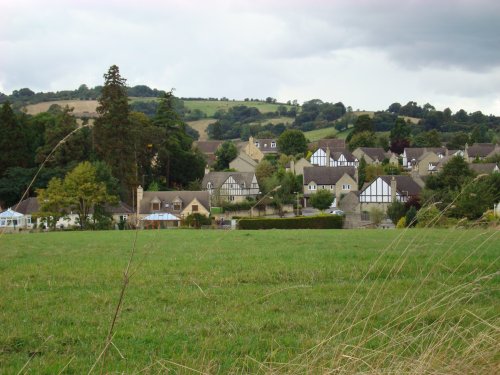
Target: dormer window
x,y
155,204
177,206
257,144
210,186
273,144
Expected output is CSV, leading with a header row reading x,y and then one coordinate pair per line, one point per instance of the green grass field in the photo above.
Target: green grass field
x,y
316,135
210,107
345,301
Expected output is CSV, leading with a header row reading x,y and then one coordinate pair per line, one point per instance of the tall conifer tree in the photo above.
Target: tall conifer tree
x,y
112,131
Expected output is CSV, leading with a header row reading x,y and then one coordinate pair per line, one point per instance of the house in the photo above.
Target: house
x,y
385,189
12,220
258,148
243,163
332,143
480,151
484,168
297,167
230,186
372,155
339,180
29,207
323,157
208,148
412,155
177,203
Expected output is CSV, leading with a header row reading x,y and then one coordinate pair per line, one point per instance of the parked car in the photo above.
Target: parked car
x,y
337,212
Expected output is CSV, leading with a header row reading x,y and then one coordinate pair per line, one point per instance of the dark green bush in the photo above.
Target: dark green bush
x,y
314,222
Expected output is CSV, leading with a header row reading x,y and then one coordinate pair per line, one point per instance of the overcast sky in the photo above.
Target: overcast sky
x,y
367,54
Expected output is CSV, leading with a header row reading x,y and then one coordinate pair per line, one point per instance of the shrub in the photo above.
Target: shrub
x,y
401,223
376,216
429,217
411,216
196,220
314,222
396,210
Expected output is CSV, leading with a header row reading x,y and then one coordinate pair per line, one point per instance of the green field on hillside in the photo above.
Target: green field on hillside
x,y
210,107
302,301
316,135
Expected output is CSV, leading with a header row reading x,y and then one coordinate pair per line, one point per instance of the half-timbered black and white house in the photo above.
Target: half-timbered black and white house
x,y
231,186
385,189
323,157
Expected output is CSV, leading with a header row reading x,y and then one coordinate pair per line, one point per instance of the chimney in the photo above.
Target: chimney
x,y
292,166
140,195
327,156
393,189
207,169
356,174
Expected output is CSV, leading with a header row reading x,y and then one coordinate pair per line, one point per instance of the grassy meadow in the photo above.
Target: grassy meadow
x,y
339,301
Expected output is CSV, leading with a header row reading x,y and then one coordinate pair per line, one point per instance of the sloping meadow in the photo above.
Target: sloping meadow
x,y
297,301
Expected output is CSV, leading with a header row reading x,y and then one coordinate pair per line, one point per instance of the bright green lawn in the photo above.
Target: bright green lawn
x,y
247,301
210,107
316,135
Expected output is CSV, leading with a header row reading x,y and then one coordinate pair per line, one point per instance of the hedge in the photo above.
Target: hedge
x,y
309,222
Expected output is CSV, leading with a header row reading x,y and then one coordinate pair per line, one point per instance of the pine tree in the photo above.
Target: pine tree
x,y
13,141
112,131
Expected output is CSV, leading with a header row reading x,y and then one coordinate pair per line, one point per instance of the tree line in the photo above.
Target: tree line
x,y
136,149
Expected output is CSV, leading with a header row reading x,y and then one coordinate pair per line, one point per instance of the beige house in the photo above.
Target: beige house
x,y
177,203
258,148
372,155
297,167
243,163
480,151
339,180
427,164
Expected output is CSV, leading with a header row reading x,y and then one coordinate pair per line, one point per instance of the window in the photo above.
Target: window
x,y
231,197
346,187
273,144
312,187
194,208
210,186
155,206
123,218
177,206
257,144
28,220
2,223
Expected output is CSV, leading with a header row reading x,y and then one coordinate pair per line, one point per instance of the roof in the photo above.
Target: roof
x,y
347,154
161,217
247,159
9,214
326,175
27,206
265,145
405,185
30,205
417,152
375,153
208,147
166,198
481,168
481,150
119,208
218,178
333,143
